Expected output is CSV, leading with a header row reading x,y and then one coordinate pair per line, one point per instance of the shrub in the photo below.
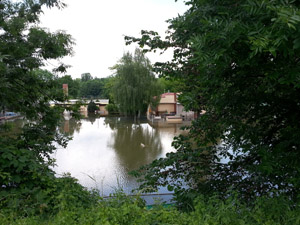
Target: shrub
x,y
92,107
112,109
77,206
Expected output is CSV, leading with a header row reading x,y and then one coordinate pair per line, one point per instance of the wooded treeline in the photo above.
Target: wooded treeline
x,y
86,87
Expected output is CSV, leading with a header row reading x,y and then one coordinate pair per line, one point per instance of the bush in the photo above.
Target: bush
x,y
112,109
76,206
92,107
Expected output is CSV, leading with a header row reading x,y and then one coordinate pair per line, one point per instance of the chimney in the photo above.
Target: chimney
x,y
65,89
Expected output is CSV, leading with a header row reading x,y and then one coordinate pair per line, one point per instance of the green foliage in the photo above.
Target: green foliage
x,y
86,87
92,107
86,77
48,195
26,181
122,209
93,88
108,88
24,46
135,84
112,109
170,84
239,62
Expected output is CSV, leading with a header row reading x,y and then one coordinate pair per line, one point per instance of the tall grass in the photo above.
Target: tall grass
x,y
123,209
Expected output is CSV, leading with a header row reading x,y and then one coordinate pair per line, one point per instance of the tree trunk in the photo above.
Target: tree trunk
x,y
139,113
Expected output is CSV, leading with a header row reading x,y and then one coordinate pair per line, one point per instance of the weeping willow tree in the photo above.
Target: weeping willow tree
x,y
135,84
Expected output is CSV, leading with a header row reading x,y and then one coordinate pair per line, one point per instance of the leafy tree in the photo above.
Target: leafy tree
x,y
112,109
92,88
86,77
239,61
92,107
84,87
135,84
170,84
24,46
108,88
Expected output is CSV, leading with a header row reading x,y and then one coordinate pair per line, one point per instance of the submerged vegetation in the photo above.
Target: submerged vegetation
x,y
238,61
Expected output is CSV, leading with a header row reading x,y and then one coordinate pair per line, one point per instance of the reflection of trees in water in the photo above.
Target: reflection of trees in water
x,y
70,126
91,117
111,122
135,144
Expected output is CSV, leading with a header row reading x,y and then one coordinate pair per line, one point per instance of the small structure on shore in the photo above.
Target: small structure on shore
x,y
169,109
100,103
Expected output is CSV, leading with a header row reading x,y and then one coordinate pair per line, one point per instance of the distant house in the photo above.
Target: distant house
x,y
169,106
101,103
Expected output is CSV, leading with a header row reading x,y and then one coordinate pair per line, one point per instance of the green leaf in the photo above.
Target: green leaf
x,y
170,188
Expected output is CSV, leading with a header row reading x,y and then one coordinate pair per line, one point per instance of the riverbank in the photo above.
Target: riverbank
x,y
124,209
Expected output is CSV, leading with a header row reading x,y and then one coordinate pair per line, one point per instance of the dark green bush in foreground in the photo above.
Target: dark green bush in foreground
x,y
75,205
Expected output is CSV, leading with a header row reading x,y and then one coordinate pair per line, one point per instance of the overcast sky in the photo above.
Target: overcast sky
x,y
98,28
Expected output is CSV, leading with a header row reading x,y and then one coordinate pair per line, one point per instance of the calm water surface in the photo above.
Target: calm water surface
x,y
103,150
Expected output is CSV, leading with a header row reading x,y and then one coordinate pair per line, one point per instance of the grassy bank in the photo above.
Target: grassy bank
x,y
122,209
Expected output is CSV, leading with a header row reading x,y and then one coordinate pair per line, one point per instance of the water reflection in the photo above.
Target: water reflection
x,y
135,144
70,126
103,150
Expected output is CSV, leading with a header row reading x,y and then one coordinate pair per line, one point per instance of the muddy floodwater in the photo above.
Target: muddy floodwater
x,y
103,150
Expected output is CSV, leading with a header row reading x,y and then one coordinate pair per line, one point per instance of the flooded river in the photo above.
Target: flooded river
x,y
103,150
